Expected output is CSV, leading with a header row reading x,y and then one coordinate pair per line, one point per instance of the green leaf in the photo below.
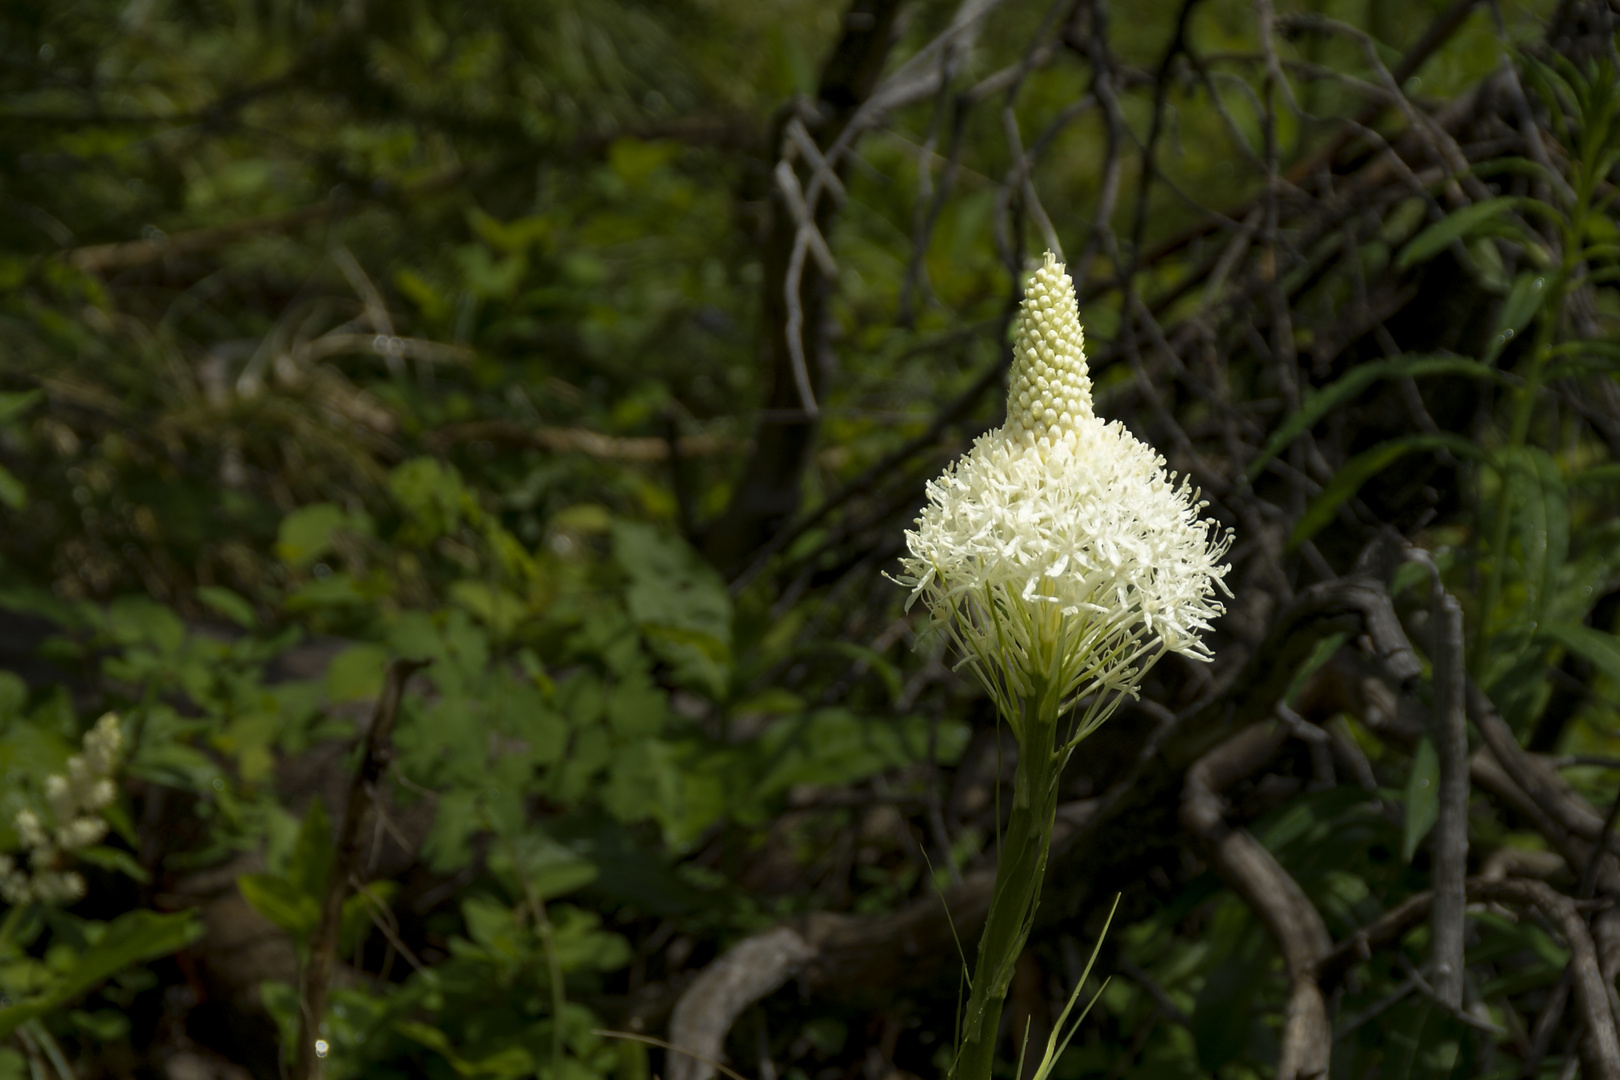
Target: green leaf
x,y
13,405
499,609
230,605
1602,650
1540,508
670,584
679,602
1521,305
356,674
1598,474
1363,467
115,859
636,709
132,938
12,492
432,495
544,866
174,764
282,902
1470,221
103,1025
1321,402
311,859
1224,1010
306,533
359,913
1422,797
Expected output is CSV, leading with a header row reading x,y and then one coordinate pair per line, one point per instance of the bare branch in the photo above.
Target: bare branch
x,y
309,1054
1294,923
1450,733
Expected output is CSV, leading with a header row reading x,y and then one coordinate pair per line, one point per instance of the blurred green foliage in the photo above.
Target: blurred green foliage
x,y
357,331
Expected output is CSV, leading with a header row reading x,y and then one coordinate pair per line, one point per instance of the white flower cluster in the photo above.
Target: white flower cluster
x,y
76,802
1057,552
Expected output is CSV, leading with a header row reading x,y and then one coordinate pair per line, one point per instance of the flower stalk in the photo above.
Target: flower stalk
x,y
1020,870
1062,561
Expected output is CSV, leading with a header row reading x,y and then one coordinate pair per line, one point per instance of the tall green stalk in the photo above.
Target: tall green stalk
x,y
1020,872
1586,170
1063,561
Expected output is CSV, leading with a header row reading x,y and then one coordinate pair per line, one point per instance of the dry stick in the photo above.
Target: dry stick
x,y
1600,1048
129,254
1094,48
1450,734
1294,923
307,1060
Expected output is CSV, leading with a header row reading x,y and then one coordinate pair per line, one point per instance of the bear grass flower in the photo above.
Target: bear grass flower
x,y
1058,553
1063,560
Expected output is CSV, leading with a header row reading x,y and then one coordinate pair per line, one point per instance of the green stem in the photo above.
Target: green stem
x,y
1019,873
1535,371
548,943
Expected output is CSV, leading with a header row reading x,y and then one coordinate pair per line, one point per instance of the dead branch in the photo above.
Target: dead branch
x,y
625,448
1600,1046
308,1054
1256,876
752,969
1450,859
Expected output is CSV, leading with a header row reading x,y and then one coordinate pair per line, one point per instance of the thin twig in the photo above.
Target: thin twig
x,y
310,1051
1450,734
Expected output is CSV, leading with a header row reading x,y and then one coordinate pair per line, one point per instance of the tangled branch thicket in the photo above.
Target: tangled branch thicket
x,y
445,308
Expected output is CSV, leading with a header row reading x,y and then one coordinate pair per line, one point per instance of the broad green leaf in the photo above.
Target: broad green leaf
x,y
455,819
282,902
1540,509
132,938
1422,797
357,673
490,924
306,533
643,781
679,602
670,584
1321,402
1363,467
1602,650
135,620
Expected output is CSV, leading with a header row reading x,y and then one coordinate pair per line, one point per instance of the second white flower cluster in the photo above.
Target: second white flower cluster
x,y
76,802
